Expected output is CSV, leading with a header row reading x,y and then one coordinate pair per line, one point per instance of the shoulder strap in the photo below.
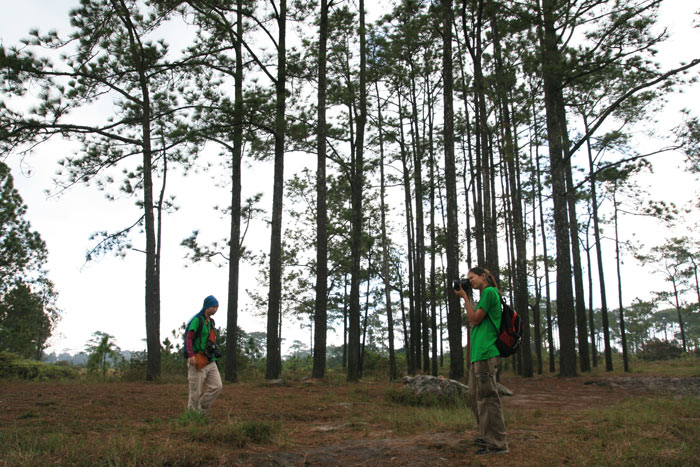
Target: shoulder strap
x,y
503,302
200,324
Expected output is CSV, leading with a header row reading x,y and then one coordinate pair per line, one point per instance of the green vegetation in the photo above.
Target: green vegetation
x,y
14,366
639,431
28,313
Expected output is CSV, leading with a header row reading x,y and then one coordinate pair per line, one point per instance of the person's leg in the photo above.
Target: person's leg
x,y
471,396
212,386
490,410
195,378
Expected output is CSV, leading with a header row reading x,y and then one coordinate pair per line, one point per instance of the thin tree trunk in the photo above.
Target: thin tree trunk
x,y
680,315
466,155
153,359
599,255
385,241
454,316
548,306
345,324
414,360
419,270
623,336
580,302
274,357
518,230
231,370
321,312
591,325
433,246
479,202
538,288
406,337
364,321
357,187
552,93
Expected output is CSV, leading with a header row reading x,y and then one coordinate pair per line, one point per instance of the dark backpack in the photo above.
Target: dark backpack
x,y
510,332
197,332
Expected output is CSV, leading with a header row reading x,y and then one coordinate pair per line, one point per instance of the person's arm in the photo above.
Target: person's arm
x,y
475,317
189,343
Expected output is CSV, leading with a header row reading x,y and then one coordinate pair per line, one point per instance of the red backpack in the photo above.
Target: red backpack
x,y
510,332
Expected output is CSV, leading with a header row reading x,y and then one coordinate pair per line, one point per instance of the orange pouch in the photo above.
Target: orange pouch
x,y
200,360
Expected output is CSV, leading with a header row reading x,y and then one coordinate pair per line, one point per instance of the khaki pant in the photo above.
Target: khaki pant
x,y
205,386
486,404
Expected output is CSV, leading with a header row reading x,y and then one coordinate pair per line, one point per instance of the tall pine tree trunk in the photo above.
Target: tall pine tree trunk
x,y
454,313
231,370
357,186
433,246
385,241
518,230
623,336
152,301
551,71
599,257
580,302
274,357
412,356
321,312
548,306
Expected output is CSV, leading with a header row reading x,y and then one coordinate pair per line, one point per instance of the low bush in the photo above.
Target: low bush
x,y
14,366
656,349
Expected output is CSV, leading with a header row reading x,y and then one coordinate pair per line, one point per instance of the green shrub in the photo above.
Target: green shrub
x,y
656,349
14,366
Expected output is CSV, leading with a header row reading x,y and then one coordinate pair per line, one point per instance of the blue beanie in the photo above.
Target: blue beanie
x,y
209,302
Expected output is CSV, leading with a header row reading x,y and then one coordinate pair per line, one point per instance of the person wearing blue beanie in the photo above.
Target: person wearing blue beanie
x,y
202,373
209,302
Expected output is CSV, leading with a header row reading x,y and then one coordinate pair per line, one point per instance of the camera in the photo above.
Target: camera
x,y
211,350
466,285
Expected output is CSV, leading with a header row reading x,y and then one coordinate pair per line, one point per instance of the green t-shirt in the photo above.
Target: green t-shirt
x,y
200,341
483,336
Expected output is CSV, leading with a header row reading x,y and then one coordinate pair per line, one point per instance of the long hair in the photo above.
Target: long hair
x,y
490,279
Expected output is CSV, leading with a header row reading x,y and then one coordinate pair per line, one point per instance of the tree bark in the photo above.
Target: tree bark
x,y
551,71
580,302
623,336
274,355
599,257
454,315
152,299
385,241
518,230
231,370
357,186
321,312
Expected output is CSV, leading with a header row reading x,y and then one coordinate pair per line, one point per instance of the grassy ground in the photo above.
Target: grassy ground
x,y
550,421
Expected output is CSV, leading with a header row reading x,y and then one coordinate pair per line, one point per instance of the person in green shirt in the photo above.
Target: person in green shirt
x,y
484,360
202,373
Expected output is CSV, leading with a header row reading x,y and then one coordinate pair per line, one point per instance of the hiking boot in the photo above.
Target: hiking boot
x,y
485,450
480,442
